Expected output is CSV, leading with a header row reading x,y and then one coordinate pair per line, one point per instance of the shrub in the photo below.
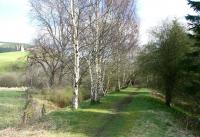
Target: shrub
x,y
12,80
61,97
84,93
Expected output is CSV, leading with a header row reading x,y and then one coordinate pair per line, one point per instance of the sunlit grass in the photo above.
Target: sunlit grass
x,y
12,60
11,105
143,116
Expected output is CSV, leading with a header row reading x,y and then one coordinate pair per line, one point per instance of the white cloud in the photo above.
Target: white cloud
x,y
17,30
152,12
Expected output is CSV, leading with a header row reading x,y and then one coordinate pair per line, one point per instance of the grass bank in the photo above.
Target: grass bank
x,y
130,113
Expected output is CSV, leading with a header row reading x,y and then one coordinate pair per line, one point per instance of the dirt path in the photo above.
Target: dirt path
x,y
117,108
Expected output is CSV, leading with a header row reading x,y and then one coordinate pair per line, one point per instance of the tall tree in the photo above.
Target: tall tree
x,y
112,26
75,42
52,40
85,30
192,61
161,59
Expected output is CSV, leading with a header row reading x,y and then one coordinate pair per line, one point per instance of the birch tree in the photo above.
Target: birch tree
x,y
87,31
75,43
105,18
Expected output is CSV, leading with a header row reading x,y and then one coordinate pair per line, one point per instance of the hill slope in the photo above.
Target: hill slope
x,y
130,113
9,61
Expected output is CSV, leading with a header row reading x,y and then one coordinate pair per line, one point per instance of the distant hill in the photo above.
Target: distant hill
x,y
11,46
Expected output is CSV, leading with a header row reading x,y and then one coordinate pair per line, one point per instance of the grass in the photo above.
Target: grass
x,y
11,104
130,113
10,61
143,116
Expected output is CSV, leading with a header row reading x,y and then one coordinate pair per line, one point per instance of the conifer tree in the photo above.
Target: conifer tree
x,y
192,60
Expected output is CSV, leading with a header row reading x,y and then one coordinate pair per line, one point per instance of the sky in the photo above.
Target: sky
x,y
16,25
153,12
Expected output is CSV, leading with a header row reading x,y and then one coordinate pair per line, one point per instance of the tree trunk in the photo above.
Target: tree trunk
x,y
97,57
168,97
118,83
124,79
92,86
51,79
102,89
108,84
76,79
75,41
60,79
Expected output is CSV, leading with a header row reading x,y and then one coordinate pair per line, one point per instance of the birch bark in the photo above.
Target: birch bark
x,y
75,42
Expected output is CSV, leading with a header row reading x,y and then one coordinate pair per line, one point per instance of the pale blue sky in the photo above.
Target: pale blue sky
x,y
153,12
16,26
15,23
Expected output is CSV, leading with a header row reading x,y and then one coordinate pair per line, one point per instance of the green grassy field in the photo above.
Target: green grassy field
x,y
11,106
11,61
130,113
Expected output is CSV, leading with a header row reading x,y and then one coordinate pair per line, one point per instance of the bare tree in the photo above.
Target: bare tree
x,y
110,23
79,31
75,42
51,45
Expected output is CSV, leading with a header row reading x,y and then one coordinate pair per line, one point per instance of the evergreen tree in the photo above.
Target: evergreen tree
x,y
160,60
192,59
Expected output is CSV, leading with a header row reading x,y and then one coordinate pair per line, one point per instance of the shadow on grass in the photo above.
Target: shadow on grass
x,y
89,119
78,122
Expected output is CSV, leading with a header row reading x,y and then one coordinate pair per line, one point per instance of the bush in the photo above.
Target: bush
x,y
12,80
61,97
84,93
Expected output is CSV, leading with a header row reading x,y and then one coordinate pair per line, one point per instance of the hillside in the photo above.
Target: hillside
x,y
12,61
130,113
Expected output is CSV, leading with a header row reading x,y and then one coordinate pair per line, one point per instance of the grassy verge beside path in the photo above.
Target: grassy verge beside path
x,y
130,113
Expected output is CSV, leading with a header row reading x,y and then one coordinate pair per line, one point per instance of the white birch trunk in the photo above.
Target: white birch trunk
x,y
118,87
102,83
118,75
92,88
124,78
75,41
97,65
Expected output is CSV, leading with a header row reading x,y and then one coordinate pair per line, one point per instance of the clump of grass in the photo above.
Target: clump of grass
x,y
61,97
12,80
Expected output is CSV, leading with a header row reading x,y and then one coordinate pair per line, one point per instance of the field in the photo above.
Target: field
x,y
11,102
12,61
11,106
131,112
